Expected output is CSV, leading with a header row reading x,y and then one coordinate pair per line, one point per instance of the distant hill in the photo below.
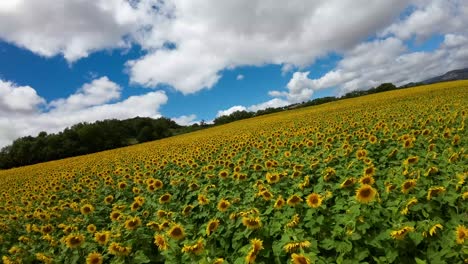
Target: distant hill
x,y
461,74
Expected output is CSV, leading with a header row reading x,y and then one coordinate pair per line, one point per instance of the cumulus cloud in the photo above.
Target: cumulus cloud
x,y
18,99
273,103
379,61
429,17
231,110
98,92
209,36
73,28
240,77
185,120
23,117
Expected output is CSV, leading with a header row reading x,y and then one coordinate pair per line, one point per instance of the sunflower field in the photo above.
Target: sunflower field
x,y
374,179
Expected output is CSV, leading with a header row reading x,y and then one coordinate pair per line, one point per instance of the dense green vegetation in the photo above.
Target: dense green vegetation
x,y
84,138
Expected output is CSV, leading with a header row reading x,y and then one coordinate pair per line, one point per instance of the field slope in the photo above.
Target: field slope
x,y
374,179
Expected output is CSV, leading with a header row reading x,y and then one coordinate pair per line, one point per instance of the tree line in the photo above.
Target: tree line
x,y
85,138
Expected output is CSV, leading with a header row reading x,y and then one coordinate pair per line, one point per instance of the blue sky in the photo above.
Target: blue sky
x,y
244,55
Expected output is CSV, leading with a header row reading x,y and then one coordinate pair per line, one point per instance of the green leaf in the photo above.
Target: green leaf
x,y
140,257
420,261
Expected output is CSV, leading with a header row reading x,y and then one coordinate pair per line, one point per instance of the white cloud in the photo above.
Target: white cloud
x,y
240,77
372,63
210,36
185,120
430,17
98,92
231,110
69,111
73,28
18,99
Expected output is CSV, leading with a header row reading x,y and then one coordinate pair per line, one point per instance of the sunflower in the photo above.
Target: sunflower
x,y
42,258
212,226
257,245
266,195
133,223
74,240
119,250
348,182
299,259
272,177
401,233
122,185
91,228
461,234
369,171
165,198
187,210
160,242
433,229
367,179
279,202
109,199
410,203
196,248
223,205
408,185
294,200
314,200
365,194
115,215
47,229
411,160
252,222
87,209
102,238
176,232
94,258
158,184
431,171
295,246
434,191
250,258
294,221
202,199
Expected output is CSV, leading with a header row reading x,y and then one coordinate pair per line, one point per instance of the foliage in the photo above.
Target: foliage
x,y
379,179
84,138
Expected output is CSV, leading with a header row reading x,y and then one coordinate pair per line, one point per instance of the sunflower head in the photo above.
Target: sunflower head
x,y
74,240
367,179
314,200
223,205
348,182
160,242
133,223
87,209
408,185
279,202
165,198
176,232
400,234
365,194
461,234
299,259
251,222
294,200
212,226
119,250
434,191
102,238
94,258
